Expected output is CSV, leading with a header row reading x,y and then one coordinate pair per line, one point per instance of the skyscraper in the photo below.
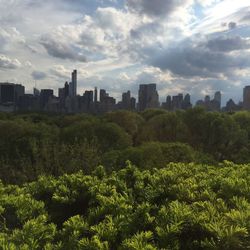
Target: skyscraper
x,y
187,102
216,103
66,89
73,84
148,96
95,97
10,92
103,95
126,100
246,98
217,96
177,102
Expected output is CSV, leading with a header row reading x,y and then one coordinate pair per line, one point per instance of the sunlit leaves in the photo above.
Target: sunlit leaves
x,y
181,206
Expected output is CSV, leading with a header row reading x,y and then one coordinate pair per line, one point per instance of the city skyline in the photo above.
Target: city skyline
x,y
162,98
190,46
13,97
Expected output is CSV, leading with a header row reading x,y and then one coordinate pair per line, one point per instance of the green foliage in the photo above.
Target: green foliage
x,y
180,206
166,127
33,144
129,121
151,154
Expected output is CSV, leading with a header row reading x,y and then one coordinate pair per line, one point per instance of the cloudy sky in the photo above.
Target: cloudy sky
x,y
194,46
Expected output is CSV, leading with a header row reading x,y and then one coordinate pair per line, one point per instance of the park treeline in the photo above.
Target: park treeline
x,y
32,144
181,206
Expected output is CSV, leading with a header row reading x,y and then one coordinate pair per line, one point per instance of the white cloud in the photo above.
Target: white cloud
x,y
117,39
8,63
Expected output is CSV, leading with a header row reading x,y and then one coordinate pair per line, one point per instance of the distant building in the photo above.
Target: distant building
x,y
7,93
45,96
103,95
216,102
96,95
231,106
66,89
36,92
28,102
87,103
148,97
207,100
187,102
128,102
74,83
177,102
246,98
106,104
168,104
211,105
133,103
10,94
200,103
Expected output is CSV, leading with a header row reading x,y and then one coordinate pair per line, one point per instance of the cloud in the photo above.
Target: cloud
x,y
156,8
106,32
128,41
204,59
10,35
38,75
8,63
61,50
232,25
60,71
227,44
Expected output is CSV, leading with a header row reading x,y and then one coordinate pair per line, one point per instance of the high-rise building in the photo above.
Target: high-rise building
x,y
217,96
231,106
177,102
103,95
10,92
95,97
88,96
207,99
74,83
133,103
216,102
148,97
66,89
7,93
45,95
19,91
36,92
246,98
168,104
126,100
187,102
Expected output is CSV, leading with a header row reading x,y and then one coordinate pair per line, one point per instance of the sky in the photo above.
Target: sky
x,y
185,46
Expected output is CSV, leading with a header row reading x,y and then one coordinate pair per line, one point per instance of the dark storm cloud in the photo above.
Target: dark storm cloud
x,y
190,59
156,7
38,75
61,50
227,44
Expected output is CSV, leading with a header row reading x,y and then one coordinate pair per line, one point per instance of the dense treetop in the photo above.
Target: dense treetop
x,y
32,144
181,206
